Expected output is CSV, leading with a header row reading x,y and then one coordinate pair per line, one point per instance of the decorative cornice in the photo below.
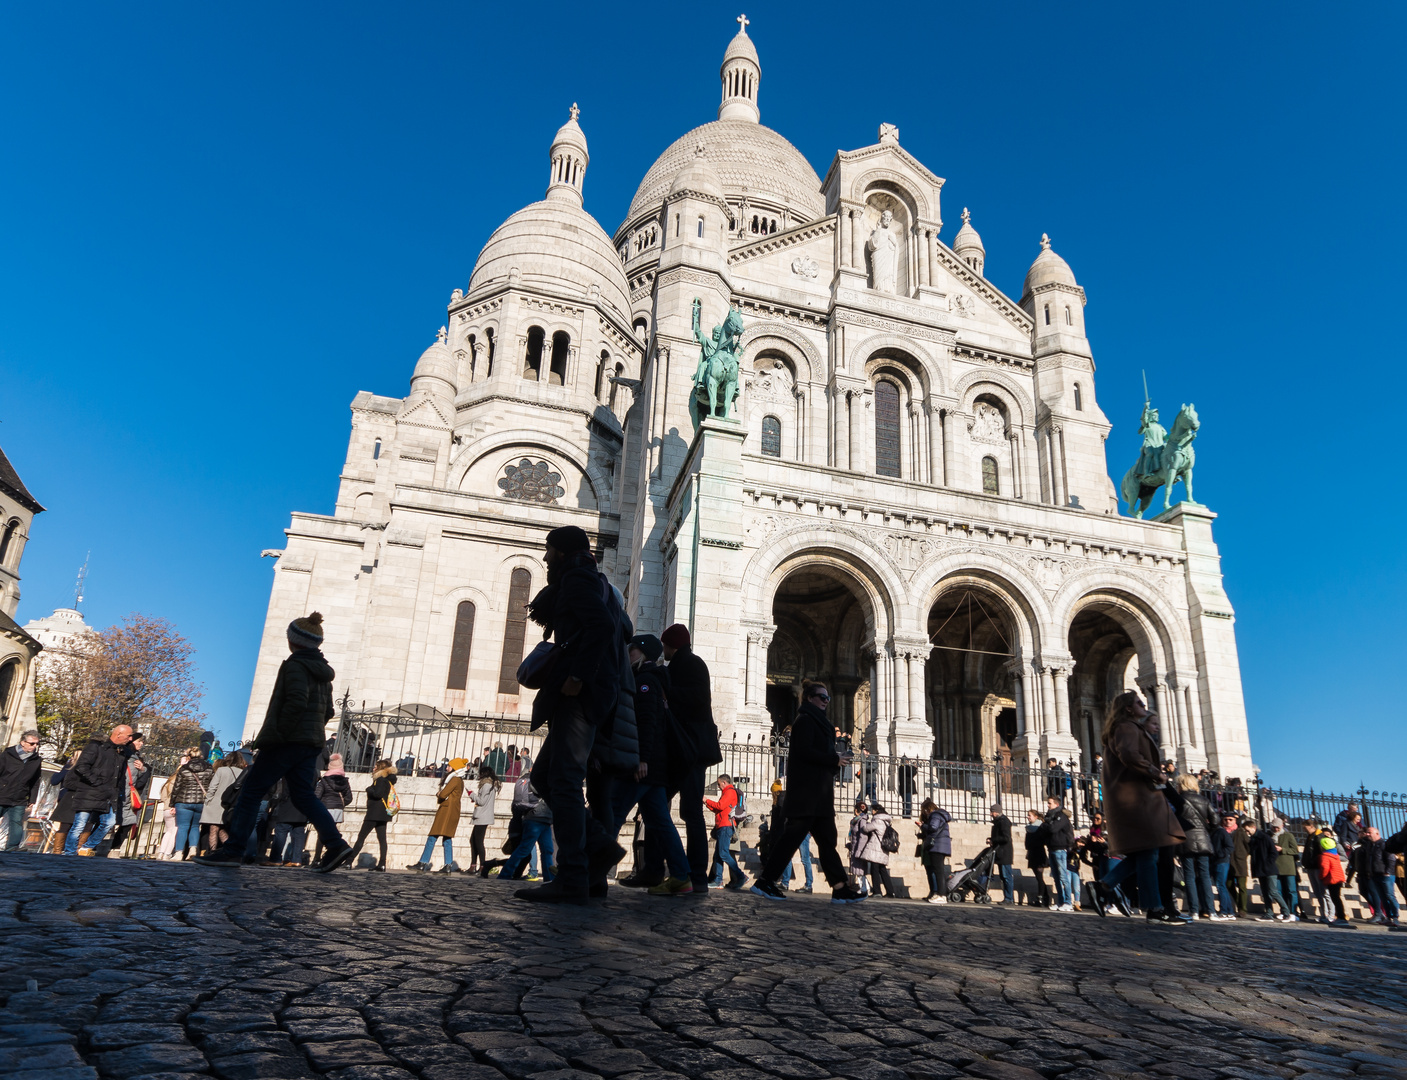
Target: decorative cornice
x,y
983,356
780,241
851,317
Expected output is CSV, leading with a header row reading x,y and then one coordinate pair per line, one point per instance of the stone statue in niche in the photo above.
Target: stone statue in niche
x,y
987,423
883,248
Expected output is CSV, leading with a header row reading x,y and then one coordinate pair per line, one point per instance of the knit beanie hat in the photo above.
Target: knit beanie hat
x,y
458,763
569,540
334,765
306,632
996,808
649,645
676,636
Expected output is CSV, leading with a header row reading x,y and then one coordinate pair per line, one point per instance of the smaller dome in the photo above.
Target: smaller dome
x,y
436,363
570,134
967,239
698,176
1048,269
741,48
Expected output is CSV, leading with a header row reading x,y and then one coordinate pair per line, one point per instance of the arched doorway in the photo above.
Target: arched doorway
x,y
1106,664
972,707
823,622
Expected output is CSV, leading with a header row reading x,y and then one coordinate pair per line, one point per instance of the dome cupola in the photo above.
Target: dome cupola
x,y
435,371
1048,269
569,161
741,72
967,245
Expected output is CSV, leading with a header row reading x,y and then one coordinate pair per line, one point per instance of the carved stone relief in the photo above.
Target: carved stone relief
x,y
988,425
805,266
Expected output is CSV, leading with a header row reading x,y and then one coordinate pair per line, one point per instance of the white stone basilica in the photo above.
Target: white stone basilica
x,y
911,500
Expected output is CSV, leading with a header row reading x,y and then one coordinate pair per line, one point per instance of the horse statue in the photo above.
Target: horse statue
x,y
1162,463
716,380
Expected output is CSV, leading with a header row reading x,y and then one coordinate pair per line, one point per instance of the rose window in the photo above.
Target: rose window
x,y
532,481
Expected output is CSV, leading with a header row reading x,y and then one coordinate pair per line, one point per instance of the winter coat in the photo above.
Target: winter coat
x,y
1035,847
1138,814
1059,833
190,783
301,704
376,795
723,806
19,777
497,760
483,799
1325,849
1370,860
334,791
580,614
1000,840
99,780
1241,853
223,777
1263,854
908,780
1195,817
1288,859
447,813
281,808
650,718
1223,845
872,834
691,702
1346,830
811,763
934,835
617,747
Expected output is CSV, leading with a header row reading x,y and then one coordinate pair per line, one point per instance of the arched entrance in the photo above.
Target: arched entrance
x,y
1106,664
972,709
823,623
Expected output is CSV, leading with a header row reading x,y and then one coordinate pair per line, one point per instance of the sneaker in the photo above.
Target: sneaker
x,y
737,884
1266,918
639,881
1343,924
846,894
1291,918
538,877
1065,907
937,899
331,859
769,890
85,851
804,888
672,886
494,872
448,868
225,856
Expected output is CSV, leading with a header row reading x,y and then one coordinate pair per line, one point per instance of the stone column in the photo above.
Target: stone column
x,y
857,242
917,682
1064,474
921,255
857,426
843,227
758,639
1061,678
1017,487
935,446
932,256
840,436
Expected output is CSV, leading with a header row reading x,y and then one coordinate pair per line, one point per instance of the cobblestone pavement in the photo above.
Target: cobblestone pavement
x,y
154,970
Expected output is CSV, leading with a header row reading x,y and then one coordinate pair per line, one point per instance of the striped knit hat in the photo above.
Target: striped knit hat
x,y
306,632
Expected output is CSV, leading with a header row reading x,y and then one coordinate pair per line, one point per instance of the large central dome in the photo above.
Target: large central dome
x,y
750,159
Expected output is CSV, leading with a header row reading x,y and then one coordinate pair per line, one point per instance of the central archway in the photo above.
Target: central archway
x,y
973,710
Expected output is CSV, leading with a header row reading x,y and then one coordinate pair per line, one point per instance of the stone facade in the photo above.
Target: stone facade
x,y
909,500
18,649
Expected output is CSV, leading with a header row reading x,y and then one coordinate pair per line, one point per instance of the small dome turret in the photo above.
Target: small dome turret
x,y
435,371
1048,269
741,72
698,177
569,161
967,245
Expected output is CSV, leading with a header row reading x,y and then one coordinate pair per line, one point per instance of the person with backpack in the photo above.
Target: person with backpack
x,y
696,747
879,840
334,791
577,703
289,744
189,788
722,809
382,805
484,797
225,772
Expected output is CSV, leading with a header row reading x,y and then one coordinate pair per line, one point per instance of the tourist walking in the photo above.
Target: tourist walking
x,y
1347,828
1376,867
723,809
810,805
20,767
98,784
227,771
1036,861
485,798
1194,814
189,788
874,828
536,835
381,801
1322,846
1003,852
690,690
578,610
1138,813
1059,840
804,852
936,841
1223,849
854,844
334,791
289,745
448,806
1287,867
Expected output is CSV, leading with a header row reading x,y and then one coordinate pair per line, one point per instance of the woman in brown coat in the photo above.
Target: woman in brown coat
x,y
1139,818
446,822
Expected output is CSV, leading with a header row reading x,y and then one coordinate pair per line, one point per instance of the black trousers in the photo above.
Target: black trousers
x,y
559,774
367,826
879,874
822,830
477,855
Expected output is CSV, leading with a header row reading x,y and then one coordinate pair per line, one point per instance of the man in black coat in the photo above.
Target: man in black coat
x,y
1003,853
577,609
1059,839
1264,853
691,702
97,784
289,745
810,800
19,776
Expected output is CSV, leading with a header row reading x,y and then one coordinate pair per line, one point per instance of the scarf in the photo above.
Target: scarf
x,y
543,607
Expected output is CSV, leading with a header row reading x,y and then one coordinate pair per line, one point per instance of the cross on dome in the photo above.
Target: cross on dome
x,y
966,217
1045,242
742,22
575,112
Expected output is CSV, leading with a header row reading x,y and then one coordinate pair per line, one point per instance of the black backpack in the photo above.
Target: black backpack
x,y
890,840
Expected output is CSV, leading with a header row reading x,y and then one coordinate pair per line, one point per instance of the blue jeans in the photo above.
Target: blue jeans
x,y
187,826
654,808
14,820
536,835
1197,883
80,822
1290,890
805,852
1065,893
1387,901
1226,905
723,856
1144,866
1008,884
289,841
297,765
429,852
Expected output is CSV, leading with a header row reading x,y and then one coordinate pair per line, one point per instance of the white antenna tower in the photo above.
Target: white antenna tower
x,y
82,577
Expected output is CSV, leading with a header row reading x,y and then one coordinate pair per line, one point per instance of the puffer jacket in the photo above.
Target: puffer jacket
x,y
301,704
191,782
650,720
935,835
483,797
1194,816
1035,847
871,834
334,791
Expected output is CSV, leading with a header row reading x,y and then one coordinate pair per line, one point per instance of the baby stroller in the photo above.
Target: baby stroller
x,y
972,879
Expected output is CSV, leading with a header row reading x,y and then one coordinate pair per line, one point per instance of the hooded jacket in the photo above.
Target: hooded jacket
x,y
382,781
334,791
301,704
18,777
651,715
723,806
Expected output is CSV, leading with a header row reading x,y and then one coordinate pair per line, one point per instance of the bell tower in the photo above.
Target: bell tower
x,y
741,72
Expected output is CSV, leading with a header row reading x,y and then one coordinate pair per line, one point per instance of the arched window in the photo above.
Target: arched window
x,y
771,437
515,632
489,369
561,343
641,328
1079,399
376,451
700,226
886,429
601,372
532,359
1047,314
7,538
990,486
620,371
676,224
1068,320
459,647
9,678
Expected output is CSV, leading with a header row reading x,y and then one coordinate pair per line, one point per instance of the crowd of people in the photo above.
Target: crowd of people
x,y
629,727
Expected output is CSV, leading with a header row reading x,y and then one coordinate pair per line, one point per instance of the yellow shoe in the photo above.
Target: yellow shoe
x,y
85,851
673,886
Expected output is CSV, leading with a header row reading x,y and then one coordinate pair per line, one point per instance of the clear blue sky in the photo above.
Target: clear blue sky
x,y
222,221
